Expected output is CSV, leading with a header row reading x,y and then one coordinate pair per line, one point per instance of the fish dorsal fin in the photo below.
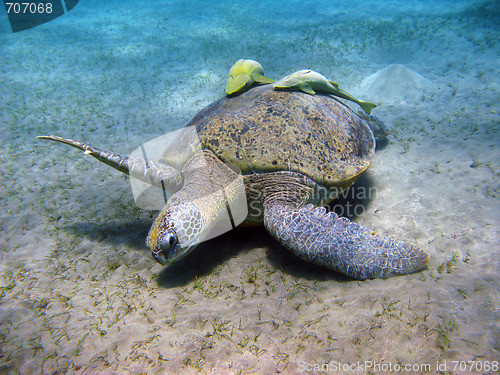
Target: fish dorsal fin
x,y
336,85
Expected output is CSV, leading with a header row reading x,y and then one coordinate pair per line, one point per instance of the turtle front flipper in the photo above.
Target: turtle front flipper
x,y
336,243
156,174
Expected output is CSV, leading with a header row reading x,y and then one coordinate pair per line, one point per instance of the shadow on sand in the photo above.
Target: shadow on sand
x,y
208,256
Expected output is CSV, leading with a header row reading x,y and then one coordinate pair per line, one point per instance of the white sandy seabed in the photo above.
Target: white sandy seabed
x,y
80,292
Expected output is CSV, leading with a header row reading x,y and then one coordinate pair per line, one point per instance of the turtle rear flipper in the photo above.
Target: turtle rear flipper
x,y
377,126
336,243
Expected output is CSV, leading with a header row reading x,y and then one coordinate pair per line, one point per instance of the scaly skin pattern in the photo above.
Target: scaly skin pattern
x,y
290,149
336,243
309,232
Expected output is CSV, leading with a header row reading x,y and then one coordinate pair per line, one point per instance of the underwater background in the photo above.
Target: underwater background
x,y
80,292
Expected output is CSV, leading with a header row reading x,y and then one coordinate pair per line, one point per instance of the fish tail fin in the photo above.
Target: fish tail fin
x,y
366,106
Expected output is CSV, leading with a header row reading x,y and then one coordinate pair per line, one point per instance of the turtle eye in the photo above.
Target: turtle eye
x,y
172,239
169,240
166,248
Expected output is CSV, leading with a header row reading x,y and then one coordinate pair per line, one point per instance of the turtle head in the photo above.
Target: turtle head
x,y
211,202
176,231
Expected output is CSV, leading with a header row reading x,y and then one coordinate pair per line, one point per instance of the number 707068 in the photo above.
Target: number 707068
x,y
29,8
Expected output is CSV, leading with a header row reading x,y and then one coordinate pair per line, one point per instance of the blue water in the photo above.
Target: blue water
x,y
80,291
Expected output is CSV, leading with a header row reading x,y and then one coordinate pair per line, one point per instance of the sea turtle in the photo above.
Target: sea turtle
x,y
243,74
310,81
295,152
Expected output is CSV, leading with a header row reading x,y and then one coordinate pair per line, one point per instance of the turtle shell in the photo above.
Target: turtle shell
x,y
264,130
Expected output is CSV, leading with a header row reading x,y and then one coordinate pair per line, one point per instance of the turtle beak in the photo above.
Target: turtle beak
x,y
167,248
160,258
164,259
